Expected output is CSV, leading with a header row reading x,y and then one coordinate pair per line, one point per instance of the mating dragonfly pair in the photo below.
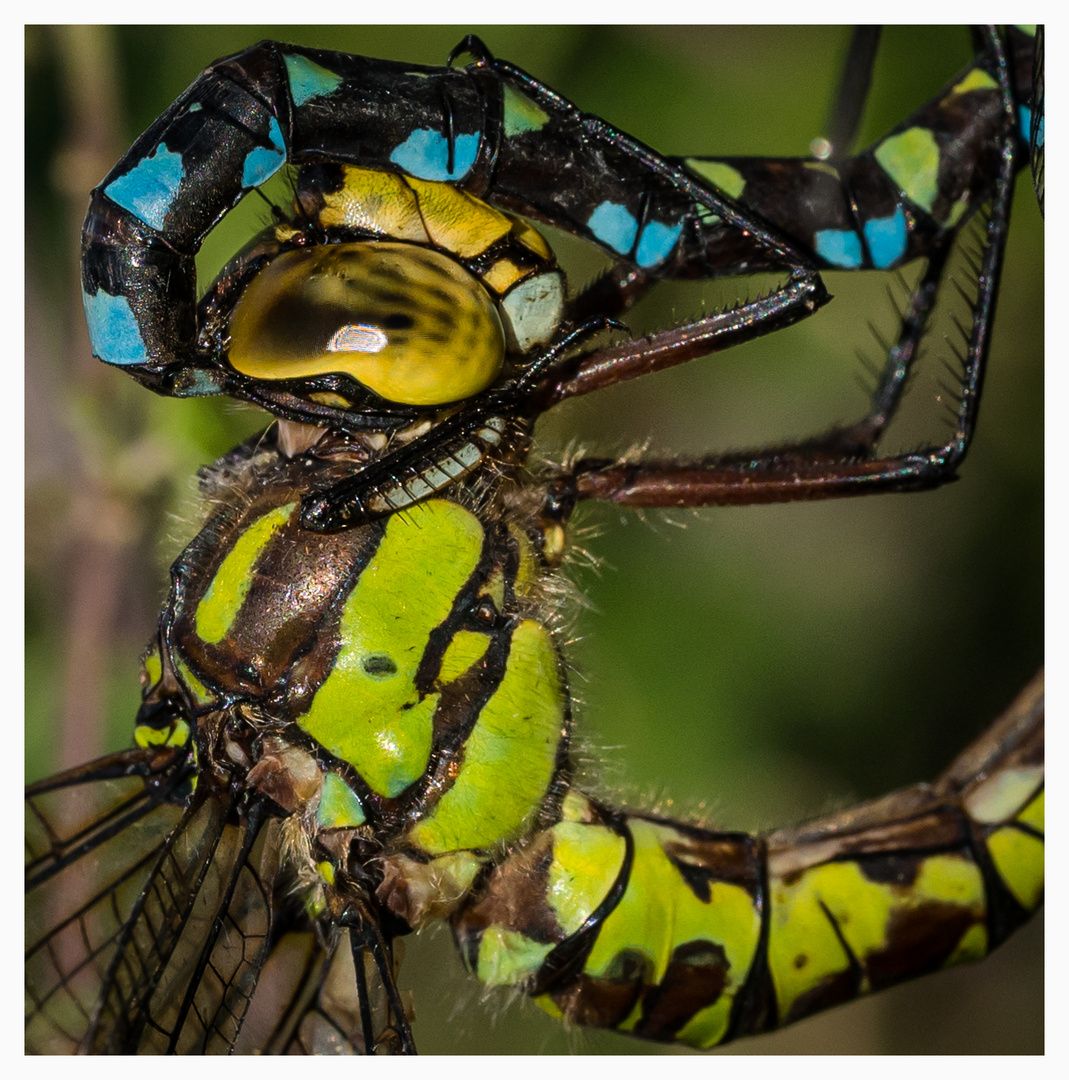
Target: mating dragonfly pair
x,y
362,835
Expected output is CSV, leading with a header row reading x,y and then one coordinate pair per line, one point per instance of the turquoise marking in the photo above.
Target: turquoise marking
x,y
1024,121
113,330
840,247
614,225
195,107
150,187
886,238
197,384
308,80
339,805
425,154
263,162
656,243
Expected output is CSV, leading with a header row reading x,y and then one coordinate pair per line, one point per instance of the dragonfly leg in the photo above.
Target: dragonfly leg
x,y
840,463
853,90
365,936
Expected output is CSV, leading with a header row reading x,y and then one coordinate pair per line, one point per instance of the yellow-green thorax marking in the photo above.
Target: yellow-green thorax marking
x,y
410,658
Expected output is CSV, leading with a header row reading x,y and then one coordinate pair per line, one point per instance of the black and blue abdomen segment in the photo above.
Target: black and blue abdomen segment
x,y
488,129
887,205
230,132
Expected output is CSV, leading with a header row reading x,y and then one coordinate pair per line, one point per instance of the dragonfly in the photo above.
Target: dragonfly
x,y
631,537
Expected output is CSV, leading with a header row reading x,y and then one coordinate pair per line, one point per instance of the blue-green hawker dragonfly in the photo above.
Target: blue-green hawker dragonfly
x,y
713,736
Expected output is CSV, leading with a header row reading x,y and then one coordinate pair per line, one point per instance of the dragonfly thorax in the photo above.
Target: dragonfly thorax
x,y
368,681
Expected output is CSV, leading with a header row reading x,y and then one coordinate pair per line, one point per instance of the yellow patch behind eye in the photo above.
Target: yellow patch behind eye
x,y
456,221
326,397
378,201
531,238
502,275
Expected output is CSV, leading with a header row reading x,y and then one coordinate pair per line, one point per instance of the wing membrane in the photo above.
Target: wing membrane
x,y
92,838
157,926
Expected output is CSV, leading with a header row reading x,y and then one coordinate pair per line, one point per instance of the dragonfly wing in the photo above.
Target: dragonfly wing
x,y
155,926
92,840
147,920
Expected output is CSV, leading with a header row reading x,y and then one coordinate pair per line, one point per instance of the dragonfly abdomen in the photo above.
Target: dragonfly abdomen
x,y
676,933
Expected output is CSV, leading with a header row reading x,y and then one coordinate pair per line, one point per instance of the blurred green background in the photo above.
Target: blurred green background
x,y
745,667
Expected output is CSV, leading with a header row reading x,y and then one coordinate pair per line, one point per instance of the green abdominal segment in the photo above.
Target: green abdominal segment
x,y
676,933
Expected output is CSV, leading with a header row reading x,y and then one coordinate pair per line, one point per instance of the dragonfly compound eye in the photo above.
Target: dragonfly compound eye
x,y
406,322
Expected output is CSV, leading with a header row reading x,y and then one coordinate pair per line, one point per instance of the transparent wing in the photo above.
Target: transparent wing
x,y
156,924
93,837
311,1000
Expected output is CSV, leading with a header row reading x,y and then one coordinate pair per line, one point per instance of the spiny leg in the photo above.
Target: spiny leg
x,y
366,936
667,348
826,467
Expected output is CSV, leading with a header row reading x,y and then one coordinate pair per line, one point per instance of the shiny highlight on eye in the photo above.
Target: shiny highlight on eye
x,y
355,337
406,322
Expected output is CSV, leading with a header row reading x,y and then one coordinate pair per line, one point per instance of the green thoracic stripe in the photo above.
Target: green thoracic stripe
x,y
368,711
510,754
201,694
153,665
464,650
220,605
339,805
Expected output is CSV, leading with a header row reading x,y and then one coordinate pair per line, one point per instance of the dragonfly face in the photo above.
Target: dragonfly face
x,y
668,670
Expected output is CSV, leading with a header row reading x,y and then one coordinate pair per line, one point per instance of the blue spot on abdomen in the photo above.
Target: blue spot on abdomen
x,y
613,224
1024,123
840,247
113,330
886,238
263,162
656,243
150,187
425,155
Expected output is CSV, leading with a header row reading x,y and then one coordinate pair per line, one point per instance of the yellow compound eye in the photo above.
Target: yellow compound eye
x,y
404,321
